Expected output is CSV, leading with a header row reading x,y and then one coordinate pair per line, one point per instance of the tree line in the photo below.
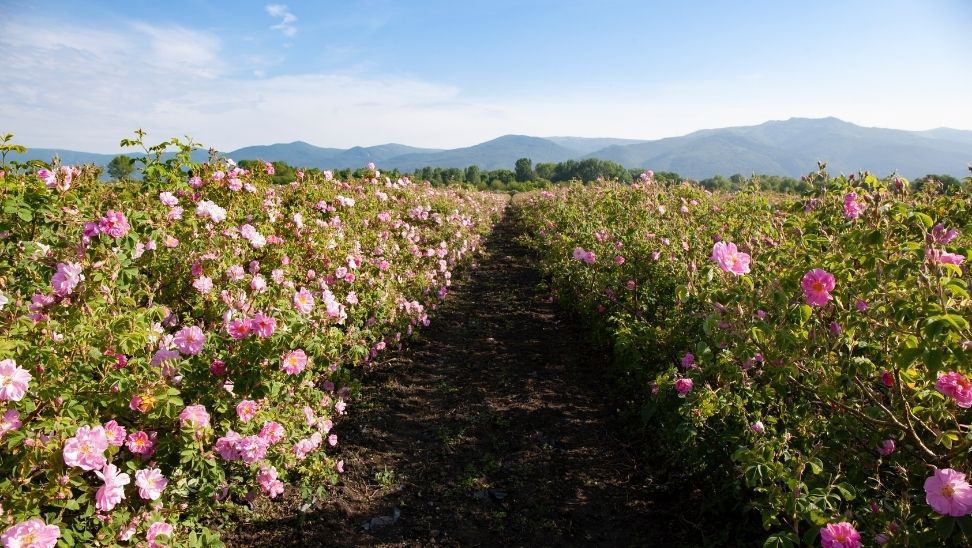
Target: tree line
x,y
525,176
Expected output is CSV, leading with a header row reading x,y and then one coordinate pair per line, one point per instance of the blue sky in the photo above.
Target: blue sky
x,y
82,75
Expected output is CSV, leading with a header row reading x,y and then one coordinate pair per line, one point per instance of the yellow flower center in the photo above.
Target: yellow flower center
x,y
948,491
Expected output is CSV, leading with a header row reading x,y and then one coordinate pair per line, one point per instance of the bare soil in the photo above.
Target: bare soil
x,y
496,427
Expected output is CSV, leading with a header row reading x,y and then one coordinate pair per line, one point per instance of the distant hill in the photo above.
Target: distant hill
x,y
791,147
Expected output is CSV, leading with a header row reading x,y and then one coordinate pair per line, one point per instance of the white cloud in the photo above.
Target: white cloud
x,y
287,19
67,86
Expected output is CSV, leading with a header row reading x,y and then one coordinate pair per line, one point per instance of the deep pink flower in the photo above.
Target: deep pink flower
x,y
113,490
887,379
141,443
940,235
263,325
937,256
839,535
683,386
239,328
957,386
886,447
730,259
67,277
14,380
758,427
115,433
852,208
817,285
10,421
190,340
688,360
218,368
114,224
947,492
86,450
33,533
151,483
194,416
294,362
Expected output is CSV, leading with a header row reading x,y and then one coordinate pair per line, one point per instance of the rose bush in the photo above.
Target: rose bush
x,y
809,357
187,341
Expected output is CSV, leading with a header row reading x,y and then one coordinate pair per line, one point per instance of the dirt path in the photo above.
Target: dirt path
x,y
493,429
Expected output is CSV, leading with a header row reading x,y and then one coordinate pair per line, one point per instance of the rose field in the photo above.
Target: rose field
x,y
604,364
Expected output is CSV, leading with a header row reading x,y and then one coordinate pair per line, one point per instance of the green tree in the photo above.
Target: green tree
x,y
121,167
524,170
473,175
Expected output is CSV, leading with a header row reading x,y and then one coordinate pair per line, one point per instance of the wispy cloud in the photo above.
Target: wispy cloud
x,y
287,19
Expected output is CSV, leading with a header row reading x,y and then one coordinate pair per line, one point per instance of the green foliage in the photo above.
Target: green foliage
x,y
790,401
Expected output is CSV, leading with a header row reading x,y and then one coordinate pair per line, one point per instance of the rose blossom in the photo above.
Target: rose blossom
x,y
14,380
839,535
947,492
113,491
151,483
817,285
33,533
730,259
86,450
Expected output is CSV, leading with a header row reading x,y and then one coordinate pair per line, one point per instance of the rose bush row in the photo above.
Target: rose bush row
x,y
185,342
809,359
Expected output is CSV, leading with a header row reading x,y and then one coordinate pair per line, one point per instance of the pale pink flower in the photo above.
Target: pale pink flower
x,y
268,167
203,284
14,380
141,443
246,410
839,535
683,385
168,199
170,242
852,208
114,224
115,433
10,421
67,277
269,484
48,176
252,448
947,492
86,450
730,259
340,406
235,273
226,446
294,362
957,386
113,491
190,340
151,483
258,284
194,416
272,432
33,533
339,466
304,301
208,209
817,285
155,530
758,427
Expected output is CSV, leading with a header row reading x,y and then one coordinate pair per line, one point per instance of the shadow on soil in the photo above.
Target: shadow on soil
x,y
494,428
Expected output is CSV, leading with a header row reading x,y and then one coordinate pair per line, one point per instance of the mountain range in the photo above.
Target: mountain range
x,y
791,147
